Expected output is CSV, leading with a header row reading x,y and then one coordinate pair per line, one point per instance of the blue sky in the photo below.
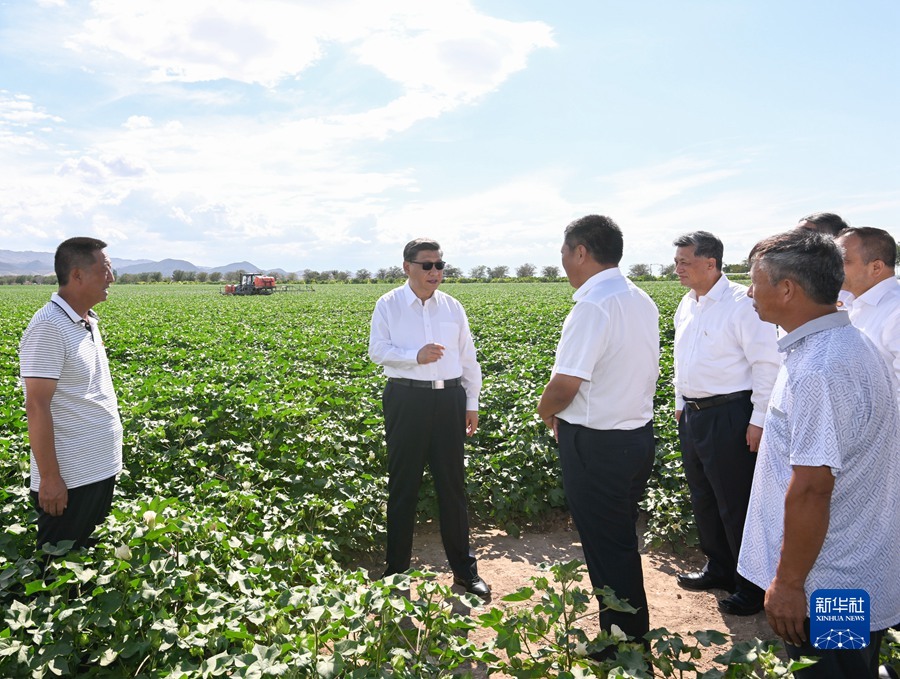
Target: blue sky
x,y
325,135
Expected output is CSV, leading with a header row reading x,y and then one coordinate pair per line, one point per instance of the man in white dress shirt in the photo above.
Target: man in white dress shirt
x,y
599,404
421,337
825,508
726,361
870,256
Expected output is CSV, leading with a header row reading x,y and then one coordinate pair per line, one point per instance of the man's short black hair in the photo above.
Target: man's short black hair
x,y
705,245
809,258
416,246
874,244
825,222
599,235
75,253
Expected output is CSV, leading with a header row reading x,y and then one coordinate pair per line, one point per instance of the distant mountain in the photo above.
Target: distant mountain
x,y
165,267
242,266
31,263
41,264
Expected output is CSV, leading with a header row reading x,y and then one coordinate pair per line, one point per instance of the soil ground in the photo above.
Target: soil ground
x,y
508,563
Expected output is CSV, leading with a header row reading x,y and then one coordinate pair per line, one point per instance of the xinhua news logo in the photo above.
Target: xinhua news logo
x,y
839,618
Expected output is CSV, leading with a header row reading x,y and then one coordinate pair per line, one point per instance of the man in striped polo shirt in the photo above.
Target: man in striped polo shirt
x,y
73,416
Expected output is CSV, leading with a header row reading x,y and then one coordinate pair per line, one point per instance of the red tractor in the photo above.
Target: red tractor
x,y
252,284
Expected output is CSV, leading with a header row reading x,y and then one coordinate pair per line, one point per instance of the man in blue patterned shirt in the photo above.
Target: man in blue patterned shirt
x,y
825,506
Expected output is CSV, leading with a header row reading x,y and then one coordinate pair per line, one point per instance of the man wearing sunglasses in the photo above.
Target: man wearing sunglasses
x,y
421,337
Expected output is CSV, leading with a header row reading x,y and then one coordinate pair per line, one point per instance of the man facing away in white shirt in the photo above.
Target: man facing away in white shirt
x,y
870,256
599,404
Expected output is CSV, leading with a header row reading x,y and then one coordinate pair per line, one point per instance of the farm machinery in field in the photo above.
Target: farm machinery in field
x,y
251,284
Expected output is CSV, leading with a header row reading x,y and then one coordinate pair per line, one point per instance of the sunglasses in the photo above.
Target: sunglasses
x,y
427,266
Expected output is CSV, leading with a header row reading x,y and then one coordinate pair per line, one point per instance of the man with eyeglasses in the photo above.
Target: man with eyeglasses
x,y
73,417
421,337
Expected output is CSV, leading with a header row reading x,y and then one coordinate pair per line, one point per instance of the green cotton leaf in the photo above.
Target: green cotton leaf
x,y
59,666
107,657
315,614
330,667
609,601
710,637
803,663
521,594
711,674
59,549
491,618
35,586
237,634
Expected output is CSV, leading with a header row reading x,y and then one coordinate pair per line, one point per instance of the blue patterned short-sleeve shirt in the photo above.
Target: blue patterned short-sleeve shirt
x,y
832,405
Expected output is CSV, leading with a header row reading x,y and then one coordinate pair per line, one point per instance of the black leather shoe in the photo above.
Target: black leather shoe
x,y
475,585
702,580
741,604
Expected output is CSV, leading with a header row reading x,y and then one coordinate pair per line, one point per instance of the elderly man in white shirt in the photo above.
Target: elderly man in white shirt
x,y
870,256
726,361
421,337
599,403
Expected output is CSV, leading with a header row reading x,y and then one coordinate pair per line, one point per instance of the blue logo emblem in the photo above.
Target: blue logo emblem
x,y
839,618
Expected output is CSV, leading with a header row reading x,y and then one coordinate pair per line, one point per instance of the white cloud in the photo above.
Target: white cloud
x,y
446,48
138,123
103,169
19,111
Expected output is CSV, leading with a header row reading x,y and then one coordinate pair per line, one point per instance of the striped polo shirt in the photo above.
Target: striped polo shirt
x,y
59,345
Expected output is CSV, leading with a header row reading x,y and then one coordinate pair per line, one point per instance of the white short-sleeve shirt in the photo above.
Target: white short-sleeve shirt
x,y
610,340
58,345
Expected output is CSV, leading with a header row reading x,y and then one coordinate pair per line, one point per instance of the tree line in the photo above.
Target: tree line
x,y
391,274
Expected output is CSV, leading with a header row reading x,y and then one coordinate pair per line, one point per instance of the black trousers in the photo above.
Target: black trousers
x,y
718,467
88,506
604,476
426,426
842,663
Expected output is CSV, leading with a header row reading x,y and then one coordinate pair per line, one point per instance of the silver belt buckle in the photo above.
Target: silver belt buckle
x,y
437,384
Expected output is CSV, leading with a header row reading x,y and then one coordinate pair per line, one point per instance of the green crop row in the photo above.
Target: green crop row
x,y
255,472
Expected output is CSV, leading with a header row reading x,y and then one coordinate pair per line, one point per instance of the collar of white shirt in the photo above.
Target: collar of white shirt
x,y
715,292
70,312
411,298
873,295
595,280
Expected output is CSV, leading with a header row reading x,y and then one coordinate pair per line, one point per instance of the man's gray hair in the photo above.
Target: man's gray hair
x,y
705,245
811,259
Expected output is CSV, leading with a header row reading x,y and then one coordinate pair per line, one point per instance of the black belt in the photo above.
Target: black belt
x,y
426,384
713,401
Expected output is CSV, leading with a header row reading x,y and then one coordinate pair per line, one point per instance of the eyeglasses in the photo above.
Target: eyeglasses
x,y
427,266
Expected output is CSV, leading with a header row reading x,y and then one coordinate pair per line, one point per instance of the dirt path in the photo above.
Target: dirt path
x,y
508,563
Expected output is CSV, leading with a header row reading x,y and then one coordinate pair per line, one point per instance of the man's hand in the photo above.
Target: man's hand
x,y
53,495
553,423
430,353
471,422
559,393
786,611
678,416
754,436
